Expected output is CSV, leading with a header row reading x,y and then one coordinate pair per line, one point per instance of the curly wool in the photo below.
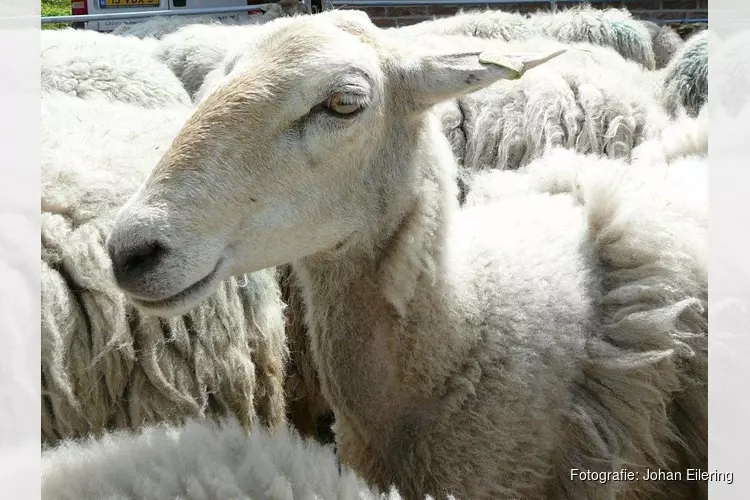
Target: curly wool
x,y
589,99
200,460
104,67
613,28
685,86
104,365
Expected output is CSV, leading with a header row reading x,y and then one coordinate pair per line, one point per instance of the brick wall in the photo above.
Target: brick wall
x,y
654,10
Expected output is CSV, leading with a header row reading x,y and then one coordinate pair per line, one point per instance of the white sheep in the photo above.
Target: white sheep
x,y
492,24
104,67
105,366
613,28
686,77
607,27
199,460
589,99
193,51
482,352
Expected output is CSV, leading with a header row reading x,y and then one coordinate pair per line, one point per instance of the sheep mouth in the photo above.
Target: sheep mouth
x,y
187,296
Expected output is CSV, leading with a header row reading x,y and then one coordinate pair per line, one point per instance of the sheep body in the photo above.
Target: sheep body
x,y
199,460
685,87
105,366
104,67
637,353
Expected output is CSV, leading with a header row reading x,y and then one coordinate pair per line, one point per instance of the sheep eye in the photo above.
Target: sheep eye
x,y
343,104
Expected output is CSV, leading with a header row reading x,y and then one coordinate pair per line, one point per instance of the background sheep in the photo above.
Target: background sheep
x,y
613,28
159,27
457,359
105,366
192,46
492,24
196,461
686,77
665,42
589,99
193,51
92,65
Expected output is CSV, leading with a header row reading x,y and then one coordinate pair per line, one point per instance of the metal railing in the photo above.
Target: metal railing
x,y
122,16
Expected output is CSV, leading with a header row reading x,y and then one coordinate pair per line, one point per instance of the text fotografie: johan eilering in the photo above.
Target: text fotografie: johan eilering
x,y
651,475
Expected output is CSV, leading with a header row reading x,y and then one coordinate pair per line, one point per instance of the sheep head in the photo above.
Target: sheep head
x,y
297,151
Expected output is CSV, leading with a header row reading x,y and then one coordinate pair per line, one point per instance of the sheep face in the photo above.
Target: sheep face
x,y
299,151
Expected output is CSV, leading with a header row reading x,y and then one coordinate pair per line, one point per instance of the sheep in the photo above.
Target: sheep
x,y
103,365
104,67
307,406
193,51
685,85
609,27
613,28
198,460
193,46
492,24
665,42
589,99
160,27
482,352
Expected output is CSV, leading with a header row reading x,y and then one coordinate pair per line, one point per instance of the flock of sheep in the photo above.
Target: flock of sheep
x,y
483,280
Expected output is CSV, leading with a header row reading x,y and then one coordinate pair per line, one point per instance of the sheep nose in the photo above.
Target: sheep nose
x,y
130,263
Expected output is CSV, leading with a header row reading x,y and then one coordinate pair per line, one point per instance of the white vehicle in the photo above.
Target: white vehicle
x,y
83,7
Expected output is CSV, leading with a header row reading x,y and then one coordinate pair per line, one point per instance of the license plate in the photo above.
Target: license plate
x,y
129,3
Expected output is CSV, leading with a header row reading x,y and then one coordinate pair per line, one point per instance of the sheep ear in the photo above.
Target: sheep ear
x,y
436,78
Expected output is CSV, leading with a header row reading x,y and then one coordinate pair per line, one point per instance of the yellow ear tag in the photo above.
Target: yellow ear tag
x,y
517,63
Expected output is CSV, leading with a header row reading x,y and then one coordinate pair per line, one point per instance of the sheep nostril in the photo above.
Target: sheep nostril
x,y
145,256
131,263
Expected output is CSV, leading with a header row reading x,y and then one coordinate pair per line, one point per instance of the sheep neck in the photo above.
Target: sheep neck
x,y
366,308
